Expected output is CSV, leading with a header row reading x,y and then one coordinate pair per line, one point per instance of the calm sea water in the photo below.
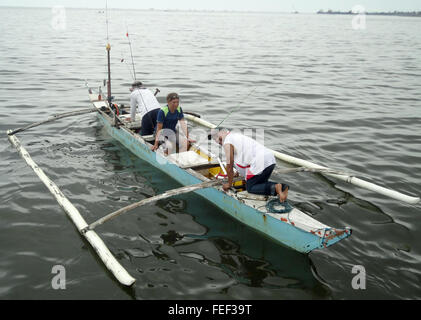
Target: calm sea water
x,y
323,92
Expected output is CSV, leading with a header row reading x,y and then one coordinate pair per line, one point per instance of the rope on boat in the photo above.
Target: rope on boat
x,y
271,206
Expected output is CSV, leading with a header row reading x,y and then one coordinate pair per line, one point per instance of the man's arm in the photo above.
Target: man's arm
x,y
229,155
133,105
159,127
183,125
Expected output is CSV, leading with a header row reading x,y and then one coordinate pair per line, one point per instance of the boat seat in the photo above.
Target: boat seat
x,y
191,159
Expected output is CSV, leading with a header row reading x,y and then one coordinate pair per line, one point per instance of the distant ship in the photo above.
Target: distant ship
x,y
394,13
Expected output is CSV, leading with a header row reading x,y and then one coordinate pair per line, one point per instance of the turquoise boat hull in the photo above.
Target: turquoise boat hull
x,y
281,232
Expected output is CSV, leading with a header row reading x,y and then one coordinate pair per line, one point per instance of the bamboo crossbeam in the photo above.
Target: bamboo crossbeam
x,y
53,118
168,194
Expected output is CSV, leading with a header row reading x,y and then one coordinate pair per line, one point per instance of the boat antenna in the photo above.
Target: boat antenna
x,y
236,108
131,51
106,18
108,47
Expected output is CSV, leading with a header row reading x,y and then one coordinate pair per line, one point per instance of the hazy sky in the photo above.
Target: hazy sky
x,y
252,5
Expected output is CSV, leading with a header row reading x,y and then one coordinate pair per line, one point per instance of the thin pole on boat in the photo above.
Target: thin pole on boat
x,y
109,97
106,18
109,94
131,52
108,47
195,145
171,193
236,109
53,118
123,60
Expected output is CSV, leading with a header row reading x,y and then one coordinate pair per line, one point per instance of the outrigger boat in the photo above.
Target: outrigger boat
x,y
294,229
198,170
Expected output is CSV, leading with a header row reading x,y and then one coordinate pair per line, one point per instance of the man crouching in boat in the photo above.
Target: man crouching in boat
x,y
167,120
148,107
252,160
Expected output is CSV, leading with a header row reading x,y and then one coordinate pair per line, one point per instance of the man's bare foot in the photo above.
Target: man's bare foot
x,y
282,195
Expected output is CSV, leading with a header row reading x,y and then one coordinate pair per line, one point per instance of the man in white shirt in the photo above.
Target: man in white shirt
x,y
144,101
252,160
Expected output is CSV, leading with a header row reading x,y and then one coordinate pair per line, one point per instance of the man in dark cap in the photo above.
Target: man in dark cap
x,y
147,105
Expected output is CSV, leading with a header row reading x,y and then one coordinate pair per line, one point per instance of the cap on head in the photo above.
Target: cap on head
x,y
137,84
172,96
213,133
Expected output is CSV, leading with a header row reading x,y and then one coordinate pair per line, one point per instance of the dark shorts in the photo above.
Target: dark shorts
x,y
260,184
149,123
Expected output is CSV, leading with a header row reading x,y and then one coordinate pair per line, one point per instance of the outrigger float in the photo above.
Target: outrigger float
x,y
199,171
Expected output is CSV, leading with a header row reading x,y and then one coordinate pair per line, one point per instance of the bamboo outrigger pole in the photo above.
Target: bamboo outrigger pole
x,y
350,179
95,241
344,177
188,189
51,119
168,194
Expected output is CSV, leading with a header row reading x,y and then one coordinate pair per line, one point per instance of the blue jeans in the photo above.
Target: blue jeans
x,y
261,185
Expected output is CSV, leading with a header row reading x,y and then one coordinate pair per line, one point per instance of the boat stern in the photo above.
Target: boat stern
x,y
330,236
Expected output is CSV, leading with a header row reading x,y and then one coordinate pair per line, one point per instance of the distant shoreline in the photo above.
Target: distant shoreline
x,y
394,13
328,12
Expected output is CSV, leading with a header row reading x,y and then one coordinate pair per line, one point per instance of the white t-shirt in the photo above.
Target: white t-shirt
x,y
250,157
144,100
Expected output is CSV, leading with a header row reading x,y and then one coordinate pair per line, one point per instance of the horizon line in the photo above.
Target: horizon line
x,y
202,10
155,9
